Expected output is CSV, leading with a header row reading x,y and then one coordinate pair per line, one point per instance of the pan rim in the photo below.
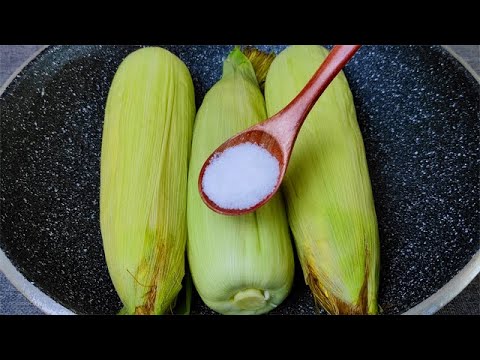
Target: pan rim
x,y
429,306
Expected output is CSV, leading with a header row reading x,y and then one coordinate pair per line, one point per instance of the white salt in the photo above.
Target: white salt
x,y
241,176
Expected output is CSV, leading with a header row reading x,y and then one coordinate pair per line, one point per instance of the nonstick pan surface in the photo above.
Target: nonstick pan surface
x,y
419,111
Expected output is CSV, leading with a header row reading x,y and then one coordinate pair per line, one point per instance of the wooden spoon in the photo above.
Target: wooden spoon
x,y
278,133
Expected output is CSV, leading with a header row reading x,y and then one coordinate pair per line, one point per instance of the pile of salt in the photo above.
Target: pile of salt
x,y
241,176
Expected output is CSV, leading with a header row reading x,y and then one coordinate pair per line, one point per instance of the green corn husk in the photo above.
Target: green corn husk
x,y
239,264
327,188
143,191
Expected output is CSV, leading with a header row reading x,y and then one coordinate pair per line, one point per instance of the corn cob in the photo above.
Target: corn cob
x,y
327,188
242,264
144,162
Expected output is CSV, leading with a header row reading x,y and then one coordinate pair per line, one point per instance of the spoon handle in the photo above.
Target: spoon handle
x,y
301,105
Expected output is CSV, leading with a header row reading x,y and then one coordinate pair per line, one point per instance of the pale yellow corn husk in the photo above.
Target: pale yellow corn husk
x,y
143,191
239,264
327,188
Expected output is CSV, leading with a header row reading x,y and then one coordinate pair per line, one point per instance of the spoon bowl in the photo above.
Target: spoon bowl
x,y
255,136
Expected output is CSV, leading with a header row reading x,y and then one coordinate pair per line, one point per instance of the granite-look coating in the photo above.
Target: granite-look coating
x,y
418,109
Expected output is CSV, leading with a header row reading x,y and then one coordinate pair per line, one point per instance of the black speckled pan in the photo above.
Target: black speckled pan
x,y
419,111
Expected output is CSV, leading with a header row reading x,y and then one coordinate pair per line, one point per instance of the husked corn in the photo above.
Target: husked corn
x,y
143,191
239,264
327,188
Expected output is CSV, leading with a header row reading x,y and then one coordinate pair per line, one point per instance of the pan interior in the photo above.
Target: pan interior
x,y
418,110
